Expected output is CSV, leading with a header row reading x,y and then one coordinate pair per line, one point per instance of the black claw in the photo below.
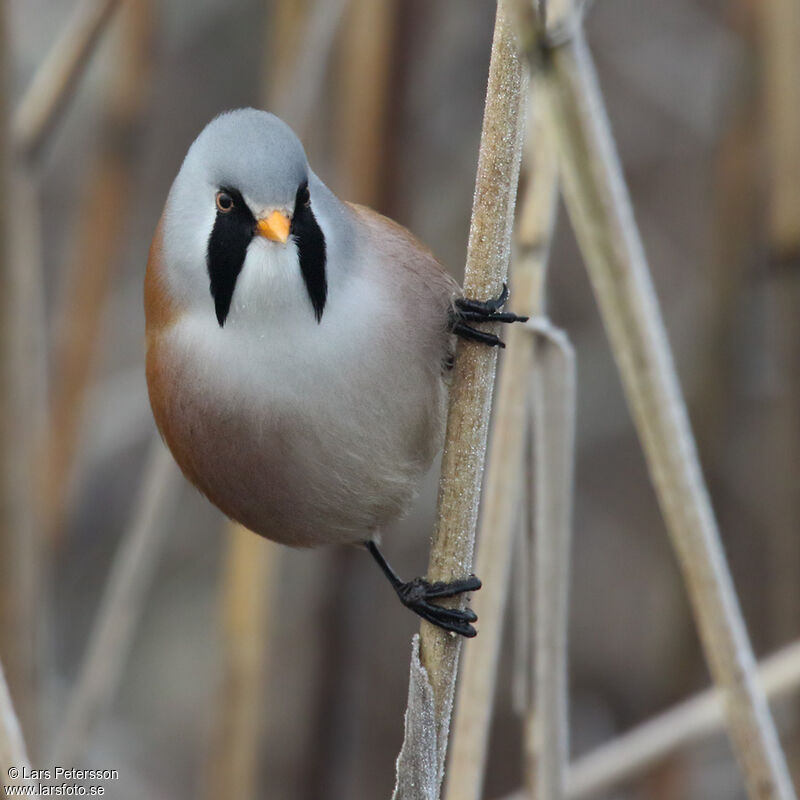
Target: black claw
x,y
500,316
467,332
485,306
434,615
455,615
417,593
441,589
468,310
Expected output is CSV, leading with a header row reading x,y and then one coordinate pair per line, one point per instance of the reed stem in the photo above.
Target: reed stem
x,y
505,479
56,79
601,214
121,606
488,256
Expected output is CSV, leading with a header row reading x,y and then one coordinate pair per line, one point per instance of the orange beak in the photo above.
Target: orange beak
x,y
275,227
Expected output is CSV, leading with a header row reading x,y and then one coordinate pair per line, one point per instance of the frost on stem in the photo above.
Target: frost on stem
x,y
417,764
473,372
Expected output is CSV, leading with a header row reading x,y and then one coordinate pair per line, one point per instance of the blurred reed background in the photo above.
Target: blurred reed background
x,y
256,671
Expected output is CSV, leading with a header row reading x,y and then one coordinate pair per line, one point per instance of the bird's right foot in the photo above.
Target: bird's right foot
x,y
466,310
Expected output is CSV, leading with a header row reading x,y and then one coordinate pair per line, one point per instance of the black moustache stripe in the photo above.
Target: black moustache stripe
x,y
227,248
310,249
231,236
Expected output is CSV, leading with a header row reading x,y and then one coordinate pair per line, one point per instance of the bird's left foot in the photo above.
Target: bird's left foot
x,y
466,310
417,595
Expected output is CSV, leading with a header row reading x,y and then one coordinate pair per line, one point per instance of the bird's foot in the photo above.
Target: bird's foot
x,y
417,594
465,311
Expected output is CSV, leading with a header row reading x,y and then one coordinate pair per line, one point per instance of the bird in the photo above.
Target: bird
x,y
298,349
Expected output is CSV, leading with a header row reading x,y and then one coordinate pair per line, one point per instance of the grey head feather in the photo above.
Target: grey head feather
x,y
243,146
260,156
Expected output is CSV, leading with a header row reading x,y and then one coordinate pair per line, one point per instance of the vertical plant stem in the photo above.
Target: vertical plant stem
x,y
21,369
780,23
601,214
473,373
546,724
283,33
121,606
522,613
57,77
23,584
735,233
780,32
89,272
301,108
504,487
250,572
505,478
550,498
11,737
12,744
9,404
366,50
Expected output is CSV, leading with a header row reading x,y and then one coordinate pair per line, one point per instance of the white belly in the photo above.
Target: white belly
x,y
304,433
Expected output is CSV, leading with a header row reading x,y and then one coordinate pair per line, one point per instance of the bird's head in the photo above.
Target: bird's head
x,y
245,221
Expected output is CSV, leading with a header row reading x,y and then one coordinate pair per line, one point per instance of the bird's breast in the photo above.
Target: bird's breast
x,y
303,435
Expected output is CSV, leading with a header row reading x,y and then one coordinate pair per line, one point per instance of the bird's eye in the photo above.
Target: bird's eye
x,y
224,202
305,196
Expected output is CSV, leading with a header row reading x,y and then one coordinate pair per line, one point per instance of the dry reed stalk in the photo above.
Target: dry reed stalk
x,y
780,32
7,399
285,24
22,546
250,571
780,23
473,374
601,214
88,275
56,79
121,606
320,30
505,477
777,30
522,650
361,111
686,724
553,428
737,177
21,376
12,743
546,726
